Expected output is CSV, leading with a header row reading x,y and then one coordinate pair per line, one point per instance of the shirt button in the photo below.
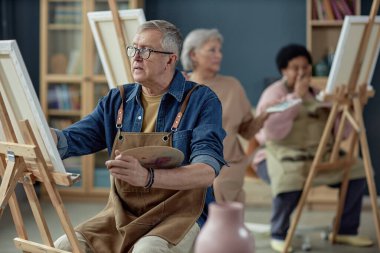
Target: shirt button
x,y
139,117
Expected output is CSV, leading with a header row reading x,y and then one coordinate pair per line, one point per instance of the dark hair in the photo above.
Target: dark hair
x,y
289,52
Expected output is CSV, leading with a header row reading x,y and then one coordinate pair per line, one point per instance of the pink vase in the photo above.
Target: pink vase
x,y
224,231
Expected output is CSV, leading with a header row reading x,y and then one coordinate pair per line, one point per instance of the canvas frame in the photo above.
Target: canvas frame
x,y
107,44
21,103
347,48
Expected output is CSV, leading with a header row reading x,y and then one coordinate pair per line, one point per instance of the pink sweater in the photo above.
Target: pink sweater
x,y
278,125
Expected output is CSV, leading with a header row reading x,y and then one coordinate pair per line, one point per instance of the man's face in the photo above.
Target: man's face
x,y
146,71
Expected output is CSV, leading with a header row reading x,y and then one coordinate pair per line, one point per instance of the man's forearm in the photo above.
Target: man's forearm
x,y
197,175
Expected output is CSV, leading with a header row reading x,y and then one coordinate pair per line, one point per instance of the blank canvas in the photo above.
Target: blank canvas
x,y
347,48
21,103
104,32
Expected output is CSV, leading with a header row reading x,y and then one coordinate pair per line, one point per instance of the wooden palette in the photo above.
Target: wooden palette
x,y
157,156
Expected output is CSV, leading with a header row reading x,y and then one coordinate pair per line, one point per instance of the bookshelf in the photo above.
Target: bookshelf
x,y
72,81
324,20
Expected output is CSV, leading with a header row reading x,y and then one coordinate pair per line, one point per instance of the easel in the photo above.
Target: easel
x,y
24,163
122,38
351,100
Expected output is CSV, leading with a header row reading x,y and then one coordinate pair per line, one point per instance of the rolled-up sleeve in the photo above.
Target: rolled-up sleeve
x,y
208,135
209,160
62,143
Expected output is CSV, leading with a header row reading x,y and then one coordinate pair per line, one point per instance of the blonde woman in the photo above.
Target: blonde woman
x,y
201,58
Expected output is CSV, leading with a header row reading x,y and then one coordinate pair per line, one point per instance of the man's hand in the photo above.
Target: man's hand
x,y
128,169
53,133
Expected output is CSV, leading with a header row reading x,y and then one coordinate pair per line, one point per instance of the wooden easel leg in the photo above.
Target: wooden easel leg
x,y
15,208
9,182
346,175
367,166
37,211
339,136
51,189
312,173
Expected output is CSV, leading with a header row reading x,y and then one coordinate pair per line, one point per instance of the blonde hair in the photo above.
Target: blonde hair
x,y
195,40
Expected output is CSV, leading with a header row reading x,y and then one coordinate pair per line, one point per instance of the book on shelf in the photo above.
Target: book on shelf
x,y
74,97
343,7
52,98
64,97
102,5
337,14
320,10
332,9
65,13
328,9
60,123
314,12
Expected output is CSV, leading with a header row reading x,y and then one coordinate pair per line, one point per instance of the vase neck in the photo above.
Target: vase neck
x,y
228,212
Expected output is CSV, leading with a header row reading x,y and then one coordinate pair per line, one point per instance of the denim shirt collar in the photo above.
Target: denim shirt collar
x,y
176,88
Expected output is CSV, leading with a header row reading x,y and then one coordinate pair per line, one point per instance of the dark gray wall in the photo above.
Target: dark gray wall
x,y
371,113
253,32
20,21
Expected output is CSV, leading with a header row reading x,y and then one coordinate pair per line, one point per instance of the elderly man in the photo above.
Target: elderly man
x,y
151,210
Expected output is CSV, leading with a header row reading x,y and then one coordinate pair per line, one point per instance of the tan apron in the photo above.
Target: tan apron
x,y
133,212
289,159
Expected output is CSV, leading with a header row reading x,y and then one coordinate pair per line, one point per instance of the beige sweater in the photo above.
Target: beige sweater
x,y
237,116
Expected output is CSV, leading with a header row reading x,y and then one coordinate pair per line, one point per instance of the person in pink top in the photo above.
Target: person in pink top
x,y
288,142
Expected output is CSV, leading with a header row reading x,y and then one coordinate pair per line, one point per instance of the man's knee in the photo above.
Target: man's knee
x,y
63,243
153,244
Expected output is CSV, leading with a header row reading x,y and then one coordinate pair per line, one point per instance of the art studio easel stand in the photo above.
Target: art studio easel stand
x,y
25,164
347,101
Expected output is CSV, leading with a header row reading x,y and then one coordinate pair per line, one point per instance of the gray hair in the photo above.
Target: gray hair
x,y
171,36
195,40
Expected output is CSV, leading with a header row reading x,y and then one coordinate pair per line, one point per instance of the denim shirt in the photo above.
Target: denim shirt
x,y
199,135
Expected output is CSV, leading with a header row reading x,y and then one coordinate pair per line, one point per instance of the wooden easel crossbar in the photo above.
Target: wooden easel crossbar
x,y
348,101
25,164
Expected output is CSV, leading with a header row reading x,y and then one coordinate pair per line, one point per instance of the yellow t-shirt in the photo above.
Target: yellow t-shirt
x,y
151,105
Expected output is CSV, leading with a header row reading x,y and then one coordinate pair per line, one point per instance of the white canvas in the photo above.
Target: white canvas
x,y
104,32
347,48
21,102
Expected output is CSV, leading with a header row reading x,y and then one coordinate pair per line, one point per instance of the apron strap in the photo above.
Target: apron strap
x,y
177,120
183,108
120,112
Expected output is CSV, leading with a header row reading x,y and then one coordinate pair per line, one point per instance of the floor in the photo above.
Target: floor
x,y
79,211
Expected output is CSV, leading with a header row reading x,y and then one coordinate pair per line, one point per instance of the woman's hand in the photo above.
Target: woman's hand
x,y
301,86
260,120
128,169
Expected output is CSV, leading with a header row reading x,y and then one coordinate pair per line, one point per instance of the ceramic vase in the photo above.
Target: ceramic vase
x,y
224,231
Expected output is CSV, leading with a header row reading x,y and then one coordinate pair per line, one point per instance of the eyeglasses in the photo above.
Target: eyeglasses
x,y
143,52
